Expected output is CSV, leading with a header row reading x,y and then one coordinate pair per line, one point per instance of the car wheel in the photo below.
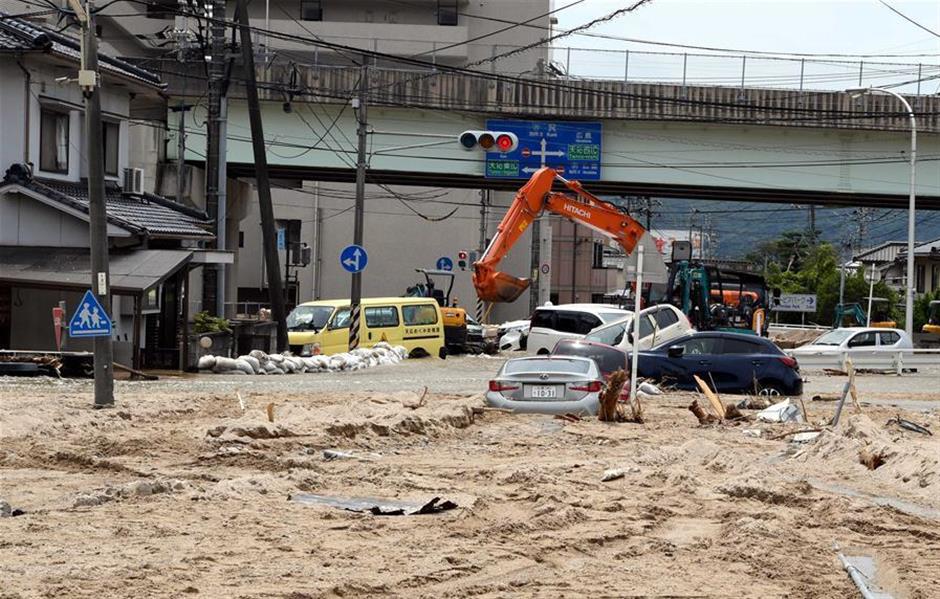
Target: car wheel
x,y
542,352
770,390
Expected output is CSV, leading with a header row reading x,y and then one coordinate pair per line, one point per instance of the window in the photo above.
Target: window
x,y
612,316
607,359
598,257
110,134
646,327
920,276
611,335
544,319
589,322
311,10
420,314
567,322
309,318
935,278
447,12
341,319
741,346
665,318
862,340
382,316
545,365
702,345
889,338
54,141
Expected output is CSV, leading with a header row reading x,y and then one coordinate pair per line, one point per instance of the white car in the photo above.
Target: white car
x,y
551,324
658,324
856,339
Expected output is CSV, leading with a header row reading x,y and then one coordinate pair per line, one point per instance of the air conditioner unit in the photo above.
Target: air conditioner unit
x,y
134,181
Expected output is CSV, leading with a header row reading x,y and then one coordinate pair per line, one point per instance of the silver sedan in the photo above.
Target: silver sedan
x,y
547,385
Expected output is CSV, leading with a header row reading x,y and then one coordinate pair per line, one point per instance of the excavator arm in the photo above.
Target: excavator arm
x,y
531,200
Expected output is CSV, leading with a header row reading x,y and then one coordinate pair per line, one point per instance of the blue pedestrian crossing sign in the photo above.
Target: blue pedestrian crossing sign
x,y
445,263
353,258
90,319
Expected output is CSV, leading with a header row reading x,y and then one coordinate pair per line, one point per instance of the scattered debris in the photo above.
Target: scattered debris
x,y
862,571
717,406
422,401
335,454
733,413
872,459
911,426
783,411
753,432
377,507
826,397
612,474
568,417
607,410
756,402
650,388
805,436
814,432
270,411
702,415
5,510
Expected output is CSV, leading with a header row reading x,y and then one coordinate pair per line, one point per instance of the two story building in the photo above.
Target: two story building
x,y
44,231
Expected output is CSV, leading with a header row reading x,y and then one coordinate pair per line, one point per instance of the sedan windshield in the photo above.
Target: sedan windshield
x,y
547,365
308,318
609,335
835,337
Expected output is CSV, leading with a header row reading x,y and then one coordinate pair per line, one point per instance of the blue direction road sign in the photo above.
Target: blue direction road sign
x,y
572,148
90,319
353,258
445,263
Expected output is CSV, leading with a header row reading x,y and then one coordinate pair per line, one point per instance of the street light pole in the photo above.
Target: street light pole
x,y
911,288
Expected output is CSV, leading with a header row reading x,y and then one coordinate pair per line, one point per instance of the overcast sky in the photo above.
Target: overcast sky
x,y
802,26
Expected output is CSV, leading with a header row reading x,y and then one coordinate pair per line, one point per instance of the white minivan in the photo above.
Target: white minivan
x,y
550,324
658,324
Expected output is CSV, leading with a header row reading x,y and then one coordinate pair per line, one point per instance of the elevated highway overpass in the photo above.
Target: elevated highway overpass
x,y
707,142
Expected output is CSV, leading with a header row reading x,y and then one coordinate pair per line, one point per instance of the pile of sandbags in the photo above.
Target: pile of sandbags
x,y
259,362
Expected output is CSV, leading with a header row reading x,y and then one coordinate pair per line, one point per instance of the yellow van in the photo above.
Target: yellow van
x,y
323,326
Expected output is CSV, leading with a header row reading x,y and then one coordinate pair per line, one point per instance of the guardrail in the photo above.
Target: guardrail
x,y
896,360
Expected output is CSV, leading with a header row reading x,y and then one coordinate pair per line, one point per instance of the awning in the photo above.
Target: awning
x,y
132,272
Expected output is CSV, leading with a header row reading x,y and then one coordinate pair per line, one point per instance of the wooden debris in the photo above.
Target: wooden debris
x,y
703,416
733,413
568,417
796,432
717,406
607,410
270,411
136,373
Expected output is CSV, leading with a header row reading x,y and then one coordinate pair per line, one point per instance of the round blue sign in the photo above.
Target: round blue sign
x,y
445,263
353,258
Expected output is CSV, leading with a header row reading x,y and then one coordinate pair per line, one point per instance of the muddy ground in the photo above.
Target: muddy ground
x,y
180,491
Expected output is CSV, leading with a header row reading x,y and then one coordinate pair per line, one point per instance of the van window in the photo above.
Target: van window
x,y
381,316
543,318
340,319
308,318
589,322
665,318
419,314
568,322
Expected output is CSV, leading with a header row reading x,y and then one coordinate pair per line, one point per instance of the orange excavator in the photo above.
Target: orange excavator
x,y
531,200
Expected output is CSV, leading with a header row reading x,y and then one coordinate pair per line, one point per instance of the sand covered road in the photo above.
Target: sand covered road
x,y
178,491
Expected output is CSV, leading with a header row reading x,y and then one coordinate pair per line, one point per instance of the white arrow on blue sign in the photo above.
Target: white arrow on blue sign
x,y
353,258
90,319
445,263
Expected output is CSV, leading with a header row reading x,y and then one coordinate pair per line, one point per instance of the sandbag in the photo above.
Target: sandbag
x,y
244,366
206,362
276,358
255,363
222,364
259,355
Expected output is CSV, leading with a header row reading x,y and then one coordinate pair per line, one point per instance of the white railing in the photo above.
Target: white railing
x,y
874,359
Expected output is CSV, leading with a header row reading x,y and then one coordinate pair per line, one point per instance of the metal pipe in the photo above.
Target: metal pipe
x,y
857,577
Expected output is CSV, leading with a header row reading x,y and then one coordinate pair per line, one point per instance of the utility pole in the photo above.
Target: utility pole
x,y
180,111
213,277
481,246
89,81
360,105
812,224
268,233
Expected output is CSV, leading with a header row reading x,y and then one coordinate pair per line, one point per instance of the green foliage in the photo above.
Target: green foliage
x,y
796,267
922,309
203,322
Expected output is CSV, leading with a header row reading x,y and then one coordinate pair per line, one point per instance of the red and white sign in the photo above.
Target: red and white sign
x,y
58,320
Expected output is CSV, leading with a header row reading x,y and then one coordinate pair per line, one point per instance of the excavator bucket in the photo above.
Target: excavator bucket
x,y
498,286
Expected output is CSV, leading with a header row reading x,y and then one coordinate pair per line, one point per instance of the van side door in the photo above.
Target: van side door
x,y
382,323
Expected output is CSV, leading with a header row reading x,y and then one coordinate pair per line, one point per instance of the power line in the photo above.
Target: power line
x,y
908,19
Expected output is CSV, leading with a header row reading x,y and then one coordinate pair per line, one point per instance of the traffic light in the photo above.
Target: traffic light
x,y
489,141
462,259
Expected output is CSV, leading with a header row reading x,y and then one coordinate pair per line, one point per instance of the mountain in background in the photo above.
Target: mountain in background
x,y
736,228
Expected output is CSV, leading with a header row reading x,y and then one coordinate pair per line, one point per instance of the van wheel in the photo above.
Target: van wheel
x,y
443,353
418,353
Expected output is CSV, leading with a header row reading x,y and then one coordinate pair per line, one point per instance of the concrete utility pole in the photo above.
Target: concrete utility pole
x,y
481,245
97,210
360,104
180,110
268,233
213,292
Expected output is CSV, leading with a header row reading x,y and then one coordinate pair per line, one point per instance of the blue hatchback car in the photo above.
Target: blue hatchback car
x,y
735,361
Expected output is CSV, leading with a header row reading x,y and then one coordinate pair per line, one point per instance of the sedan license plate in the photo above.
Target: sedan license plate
x,y
541,391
